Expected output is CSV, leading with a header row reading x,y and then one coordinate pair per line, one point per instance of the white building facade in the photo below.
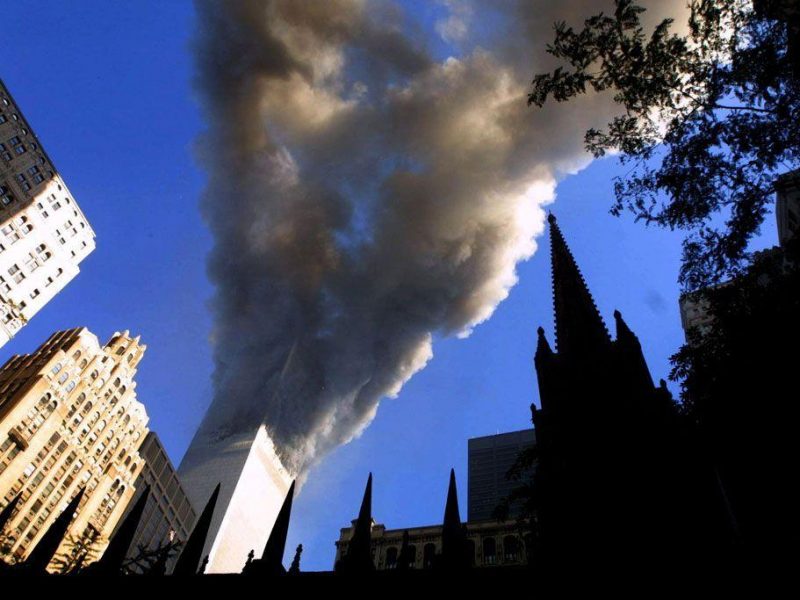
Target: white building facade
x,y
254,484
43,233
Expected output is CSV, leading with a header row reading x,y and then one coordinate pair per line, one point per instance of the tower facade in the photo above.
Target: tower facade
x,y
168,516
489,459
616,474
43,233
69,420
253,482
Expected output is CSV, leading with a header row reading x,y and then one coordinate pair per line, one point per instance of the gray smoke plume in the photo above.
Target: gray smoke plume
x,y
367,194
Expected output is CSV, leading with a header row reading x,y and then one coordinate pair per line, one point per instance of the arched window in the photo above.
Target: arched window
x,y
94,374
83,364
122,390
101,425
510,549
489,551
117,381
130,358
76,355
412,555
391,558
428,556
120,350
70,387
63,377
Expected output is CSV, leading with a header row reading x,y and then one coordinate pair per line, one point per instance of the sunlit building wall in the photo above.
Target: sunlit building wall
x,y
43,233
69,419
254,484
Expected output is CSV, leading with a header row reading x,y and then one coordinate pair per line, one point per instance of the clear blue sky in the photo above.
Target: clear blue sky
x,y
107,88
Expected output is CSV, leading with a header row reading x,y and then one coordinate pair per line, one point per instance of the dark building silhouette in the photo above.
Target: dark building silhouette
x,y
616,475
489,460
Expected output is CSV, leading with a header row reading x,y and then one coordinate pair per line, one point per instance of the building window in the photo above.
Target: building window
x,y
510,549
11,234
428,555
16,274
36,174
391,558
6,197
489,551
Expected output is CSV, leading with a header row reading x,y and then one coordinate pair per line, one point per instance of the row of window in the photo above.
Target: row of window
x,y
511,552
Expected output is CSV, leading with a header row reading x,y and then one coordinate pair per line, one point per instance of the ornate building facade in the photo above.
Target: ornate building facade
x,y
489,544
69,420
44,235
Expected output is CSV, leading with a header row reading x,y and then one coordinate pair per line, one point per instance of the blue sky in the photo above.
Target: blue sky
x,y
107,88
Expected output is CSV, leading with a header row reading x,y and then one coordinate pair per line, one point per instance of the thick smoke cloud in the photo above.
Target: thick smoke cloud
x,y
366,194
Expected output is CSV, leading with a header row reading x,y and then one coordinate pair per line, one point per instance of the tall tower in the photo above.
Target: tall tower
x,y
254,485
616,476
233,447
69,420
43,233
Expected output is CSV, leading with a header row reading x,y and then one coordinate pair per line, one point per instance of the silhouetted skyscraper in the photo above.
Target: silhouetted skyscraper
x,y
489,460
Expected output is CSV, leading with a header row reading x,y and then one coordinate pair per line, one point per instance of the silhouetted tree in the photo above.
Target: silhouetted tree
x,y
522,499
739,382
709,120
152,561
81,550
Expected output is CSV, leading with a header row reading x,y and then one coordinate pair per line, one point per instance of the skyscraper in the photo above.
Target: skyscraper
x,y
489,460
43,233
254,484
168,515
69,420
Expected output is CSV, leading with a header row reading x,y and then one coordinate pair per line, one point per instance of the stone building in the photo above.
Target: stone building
x,y
490,544
168,515
43,233
69,420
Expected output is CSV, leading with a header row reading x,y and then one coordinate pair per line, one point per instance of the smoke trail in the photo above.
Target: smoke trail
x,y
366,194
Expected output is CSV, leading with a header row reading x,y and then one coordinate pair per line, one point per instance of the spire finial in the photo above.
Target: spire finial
x,y
359,552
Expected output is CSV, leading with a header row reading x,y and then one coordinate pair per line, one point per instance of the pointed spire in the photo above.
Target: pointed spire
x,y
5,514
359,551
294,569
272,558
44,551
578,322
623,331
193,550
111,561
542,345
453,538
